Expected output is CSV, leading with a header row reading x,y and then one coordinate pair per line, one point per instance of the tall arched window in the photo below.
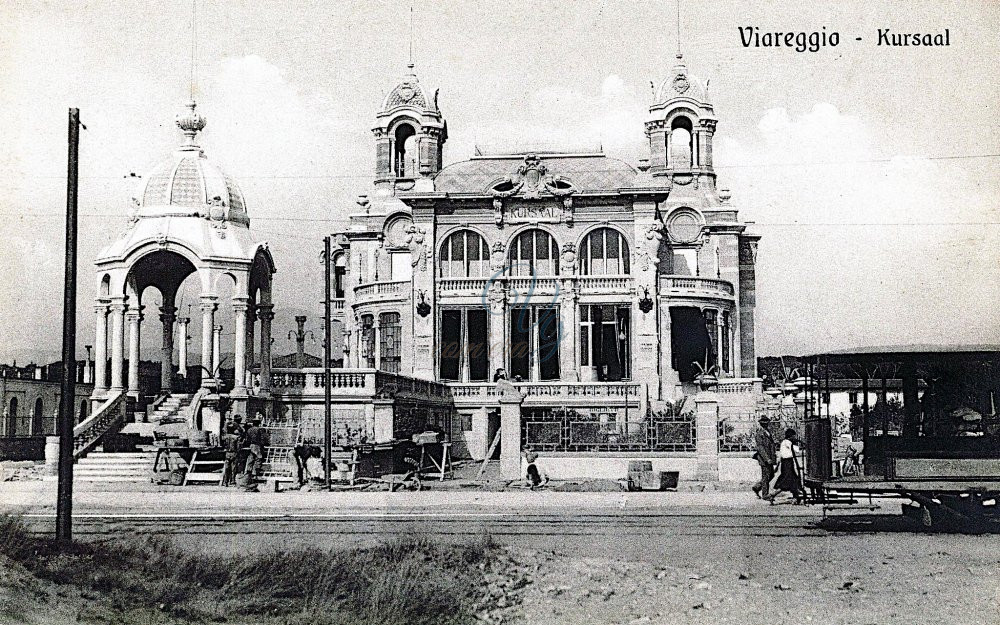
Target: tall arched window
x,y
404,152
391,341
534,253
38,419
464,255
368,341
12,418
604,252
680,152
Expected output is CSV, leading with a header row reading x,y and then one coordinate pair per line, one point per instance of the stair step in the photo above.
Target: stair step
x,y
114,478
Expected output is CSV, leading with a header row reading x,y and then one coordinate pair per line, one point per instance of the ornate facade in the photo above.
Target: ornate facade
x,y
589,281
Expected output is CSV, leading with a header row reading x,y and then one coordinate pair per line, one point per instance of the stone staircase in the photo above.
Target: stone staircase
x,y
101,466
175,405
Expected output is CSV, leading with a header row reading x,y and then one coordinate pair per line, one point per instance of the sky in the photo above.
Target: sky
x,y
871,173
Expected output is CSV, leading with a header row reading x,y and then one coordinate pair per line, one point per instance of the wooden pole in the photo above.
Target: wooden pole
x,y
327,374
64,427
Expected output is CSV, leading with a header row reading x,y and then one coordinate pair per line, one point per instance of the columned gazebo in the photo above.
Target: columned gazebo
x,y
189,219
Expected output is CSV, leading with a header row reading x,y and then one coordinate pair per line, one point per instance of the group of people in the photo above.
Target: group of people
x,y
244,449
777,457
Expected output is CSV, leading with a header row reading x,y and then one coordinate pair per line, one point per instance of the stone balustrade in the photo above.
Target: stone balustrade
x,y
381,291
351,383
692,286
555,393
604,284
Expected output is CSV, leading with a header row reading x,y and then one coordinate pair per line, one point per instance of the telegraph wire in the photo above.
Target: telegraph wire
x,y
369,176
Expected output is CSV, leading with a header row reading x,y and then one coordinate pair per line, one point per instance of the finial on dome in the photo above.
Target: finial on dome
x,y
190,122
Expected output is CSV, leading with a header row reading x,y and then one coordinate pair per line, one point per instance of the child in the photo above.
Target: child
x,y
534,476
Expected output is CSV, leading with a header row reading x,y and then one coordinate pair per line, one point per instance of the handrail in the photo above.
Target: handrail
x,y
88,433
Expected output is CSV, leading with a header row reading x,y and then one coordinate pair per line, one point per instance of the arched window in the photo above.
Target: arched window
x,y
368,341
604,252
464,255
38,419
390,342
534,253
680,152
12,418
404,152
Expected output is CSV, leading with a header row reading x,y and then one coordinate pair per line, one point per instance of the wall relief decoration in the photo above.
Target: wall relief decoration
x,y
532,181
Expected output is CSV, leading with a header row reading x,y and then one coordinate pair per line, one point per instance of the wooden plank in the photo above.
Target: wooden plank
x,y
947,468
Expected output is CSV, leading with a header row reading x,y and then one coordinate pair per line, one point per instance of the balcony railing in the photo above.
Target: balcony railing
x,y
604,284
557,393
352,383
337,304
679,286
571,430
381,291
463,286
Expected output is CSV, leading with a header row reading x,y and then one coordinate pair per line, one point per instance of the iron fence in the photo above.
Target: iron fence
x,y
736,430
601,429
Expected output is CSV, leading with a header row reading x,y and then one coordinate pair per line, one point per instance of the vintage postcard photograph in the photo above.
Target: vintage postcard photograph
x,y
468,312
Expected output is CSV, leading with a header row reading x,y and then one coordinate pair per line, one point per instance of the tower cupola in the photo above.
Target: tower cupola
x,y
680,125
409,134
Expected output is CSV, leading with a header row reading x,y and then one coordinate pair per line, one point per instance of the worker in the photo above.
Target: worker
x,y
257,440
231,444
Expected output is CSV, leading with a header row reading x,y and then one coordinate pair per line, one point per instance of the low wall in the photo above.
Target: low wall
x,y
22,448
732,467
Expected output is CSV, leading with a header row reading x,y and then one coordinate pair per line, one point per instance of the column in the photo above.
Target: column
x,y
134,318
217,351
208,308
497,320
168,314
707,441
721,337
265,312
251,316
101,349
569,368
182,350
240,307
117,343
510,430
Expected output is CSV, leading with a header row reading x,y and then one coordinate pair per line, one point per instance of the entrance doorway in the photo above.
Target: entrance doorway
x,y
689,342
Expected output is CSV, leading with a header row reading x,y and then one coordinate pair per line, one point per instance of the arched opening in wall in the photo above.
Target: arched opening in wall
x,y
464,255
38,425
167,272
534,253
405,152
13,428
680,152
224,333
604,252
689,342
83,412
339,275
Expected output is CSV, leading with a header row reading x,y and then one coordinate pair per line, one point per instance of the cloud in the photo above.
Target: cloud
x,y
870,248
610,116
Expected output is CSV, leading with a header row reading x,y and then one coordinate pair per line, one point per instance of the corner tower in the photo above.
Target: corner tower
x,y
409,136
680,126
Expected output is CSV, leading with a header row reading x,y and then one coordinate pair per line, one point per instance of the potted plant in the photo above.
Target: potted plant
x,y
706,378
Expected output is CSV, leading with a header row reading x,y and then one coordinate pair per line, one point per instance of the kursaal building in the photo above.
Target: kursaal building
x,y
600,289
616,300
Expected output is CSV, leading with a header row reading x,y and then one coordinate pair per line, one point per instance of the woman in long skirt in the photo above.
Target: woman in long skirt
x,y
788,479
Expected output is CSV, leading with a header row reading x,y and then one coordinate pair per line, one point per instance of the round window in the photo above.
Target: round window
x,y
395,231
684,226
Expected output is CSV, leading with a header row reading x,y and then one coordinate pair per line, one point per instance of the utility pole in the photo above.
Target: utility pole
x,y
327,374
64,498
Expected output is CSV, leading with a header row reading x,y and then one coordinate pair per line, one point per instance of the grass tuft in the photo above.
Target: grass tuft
x,y
413,580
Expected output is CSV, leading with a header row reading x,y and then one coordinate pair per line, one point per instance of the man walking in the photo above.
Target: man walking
x,y
764,454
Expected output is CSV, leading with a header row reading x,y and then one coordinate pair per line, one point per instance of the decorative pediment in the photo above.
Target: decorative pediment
x,y
532,181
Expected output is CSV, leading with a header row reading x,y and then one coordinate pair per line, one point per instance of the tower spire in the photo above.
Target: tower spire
x,y
194,42
678,29
410,64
